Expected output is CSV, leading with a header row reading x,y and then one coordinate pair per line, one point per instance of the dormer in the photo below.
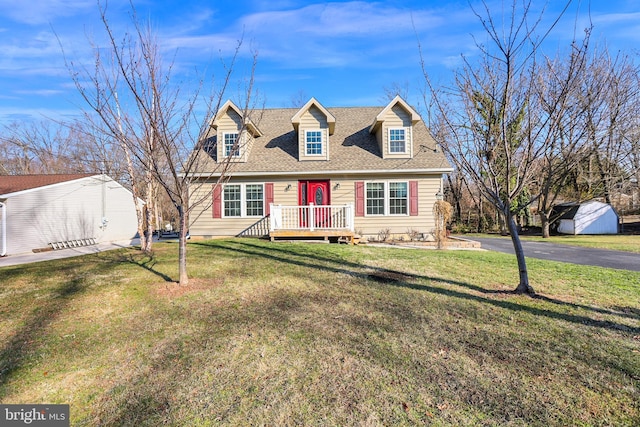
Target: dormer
x,y
313,125
234,133
393,129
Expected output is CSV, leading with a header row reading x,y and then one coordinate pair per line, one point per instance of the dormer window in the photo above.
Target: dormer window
x,y
313,143
231,145
234,132
393,128
397,141
314,126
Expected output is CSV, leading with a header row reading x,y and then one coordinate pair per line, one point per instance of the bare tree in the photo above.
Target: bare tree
x,y
563,92
136,101
395,89
493,129
612,123
47,146
298,99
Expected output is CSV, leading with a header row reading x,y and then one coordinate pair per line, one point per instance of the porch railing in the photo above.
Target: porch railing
x,y
312,217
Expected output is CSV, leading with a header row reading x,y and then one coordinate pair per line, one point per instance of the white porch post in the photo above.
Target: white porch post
x,y
275,217
312,217
271,217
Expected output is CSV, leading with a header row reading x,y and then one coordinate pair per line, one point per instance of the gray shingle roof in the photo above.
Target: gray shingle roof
x,y
352,148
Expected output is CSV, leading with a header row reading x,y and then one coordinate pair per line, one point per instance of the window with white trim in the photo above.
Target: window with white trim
x,y
398,198
397,140
387,198
375,198
243,200
313,143
254,203
231,146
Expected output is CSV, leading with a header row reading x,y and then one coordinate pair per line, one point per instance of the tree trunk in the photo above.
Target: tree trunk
x,y
502,221
456,193
544,221
182,246
150,202
136,197
523,286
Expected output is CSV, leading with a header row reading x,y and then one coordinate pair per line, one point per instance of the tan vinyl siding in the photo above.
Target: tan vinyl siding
x,y
203,224
380,140
231,122
313,119
396,118
201,219
397,224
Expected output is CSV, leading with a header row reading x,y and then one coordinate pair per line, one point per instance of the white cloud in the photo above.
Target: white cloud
x,y
34,12
334,20
616,18
349,34
40,92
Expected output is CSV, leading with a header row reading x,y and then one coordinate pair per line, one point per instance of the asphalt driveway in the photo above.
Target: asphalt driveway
x,y
565,253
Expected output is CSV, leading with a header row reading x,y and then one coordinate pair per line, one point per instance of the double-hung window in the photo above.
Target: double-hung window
x,y
254,199
397,140
375,198
243,200
313,143
387,198
398,198
231,145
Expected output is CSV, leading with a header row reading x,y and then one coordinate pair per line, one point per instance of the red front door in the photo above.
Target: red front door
x,y
316,192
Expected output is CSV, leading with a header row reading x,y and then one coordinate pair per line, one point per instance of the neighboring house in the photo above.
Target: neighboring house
x,y
316,171
585,218
56,211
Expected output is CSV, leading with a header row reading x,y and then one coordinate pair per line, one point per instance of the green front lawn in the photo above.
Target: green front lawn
x,y
304,334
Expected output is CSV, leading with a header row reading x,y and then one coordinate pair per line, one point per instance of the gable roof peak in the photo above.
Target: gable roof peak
x,y
251,127
331,120
415,117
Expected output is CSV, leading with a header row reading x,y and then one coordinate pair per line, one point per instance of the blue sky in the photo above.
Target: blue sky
x,y
344,53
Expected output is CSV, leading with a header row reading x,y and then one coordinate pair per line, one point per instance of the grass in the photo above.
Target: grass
x,y
618,242
302,334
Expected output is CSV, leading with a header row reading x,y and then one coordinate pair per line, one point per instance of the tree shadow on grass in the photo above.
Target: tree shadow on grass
x,y
147,262
405,280
14,353
133,257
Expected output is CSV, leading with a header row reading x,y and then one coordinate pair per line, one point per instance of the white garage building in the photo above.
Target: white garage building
x,y
56,211
586,218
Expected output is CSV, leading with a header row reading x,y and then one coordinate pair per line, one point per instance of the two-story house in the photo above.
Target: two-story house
x,y
316,171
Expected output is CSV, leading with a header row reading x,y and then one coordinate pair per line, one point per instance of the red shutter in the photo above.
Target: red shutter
x,y
217,201
359,198
268,197
413,198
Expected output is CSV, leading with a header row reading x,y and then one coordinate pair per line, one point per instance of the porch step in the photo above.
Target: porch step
x,y
341,236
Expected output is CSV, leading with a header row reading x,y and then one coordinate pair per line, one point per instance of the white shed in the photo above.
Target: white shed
x,y
586,218
57,211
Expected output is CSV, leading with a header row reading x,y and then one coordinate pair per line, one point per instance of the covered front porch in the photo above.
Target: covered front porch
x,y
327,222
